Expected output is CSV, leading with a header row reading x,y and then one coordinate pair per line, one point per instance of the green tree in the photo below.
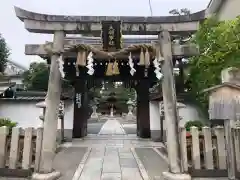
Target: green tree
x,y
183,11
219,45
36,77
4,54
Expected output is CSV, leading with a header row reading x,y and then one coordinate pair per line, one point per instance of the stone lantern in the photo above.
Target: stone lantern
x,y
130,115
94,115
130,107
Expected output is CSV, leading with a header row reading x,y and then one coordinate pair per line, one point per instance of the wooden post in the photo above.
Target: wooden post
x,y
231,166
219,132
27,148
4,131
14,147
161,122
143,109
52,107
138,106
62,129
38,149
181,76
170,104
79,126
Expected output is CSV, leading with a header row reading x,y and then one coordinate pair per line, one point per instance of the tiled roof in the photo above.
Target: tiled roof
x,y
34,96
5,84
27,96
229,84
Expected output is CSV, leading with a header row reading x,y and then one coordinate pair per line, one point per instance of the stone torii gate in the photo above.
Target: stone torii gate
x,y
62,25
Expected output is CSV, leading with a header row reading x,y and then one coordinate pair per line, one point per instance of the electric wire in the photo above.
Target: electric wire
x,y
150,7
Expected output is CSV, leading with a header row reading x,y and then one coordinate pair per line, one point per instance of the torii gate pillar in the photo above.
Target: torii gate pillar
x,y
170,111
51,116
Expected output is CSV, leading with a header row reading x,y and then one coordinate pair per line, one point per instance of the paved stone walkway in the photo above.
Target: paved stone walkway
x,y
111,127
110,163
115,155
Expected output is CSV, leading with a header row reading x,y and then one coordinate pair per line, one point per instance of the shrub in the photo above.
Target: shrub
x,y
7,122
196,123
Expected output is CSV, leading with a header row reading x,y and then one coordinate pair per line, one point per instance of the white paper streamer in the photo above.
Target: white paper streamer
x,y
131,64
157,71
90,64
60,66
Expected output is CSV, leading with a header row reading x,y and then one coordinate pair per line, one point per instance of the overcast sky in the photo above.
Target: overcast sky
x,y
16,36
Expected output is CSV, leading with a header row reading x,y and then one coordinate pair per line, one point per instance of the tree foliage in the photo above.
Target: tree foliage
x,y
120,92
219,45
4,54
36,77
183,11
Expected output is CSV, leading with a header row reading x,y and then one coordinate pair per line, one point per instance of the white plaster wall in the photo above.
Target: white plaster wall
x,y
26,114
17,80
229,10
154,115
189,113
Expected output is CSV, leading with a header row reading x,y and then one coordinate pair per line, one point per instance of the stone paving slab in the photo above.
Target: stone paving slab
x,y
111,176
152,161
92,168
94,128
67,161
111,162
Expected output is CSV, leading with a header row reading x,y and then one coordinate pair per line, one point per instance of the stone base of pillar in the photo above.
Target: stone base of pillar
x,y
49,176
156,135
144,133
172,176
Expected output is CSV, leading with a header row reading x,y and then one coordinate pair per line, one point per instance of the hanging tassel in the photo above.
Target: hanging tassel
x,y
84,59
109,71
141,58
147,59
79,58
115,68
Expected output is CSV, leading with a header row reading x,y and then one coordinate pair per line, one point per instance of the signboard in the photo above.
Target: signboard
x,y
111,35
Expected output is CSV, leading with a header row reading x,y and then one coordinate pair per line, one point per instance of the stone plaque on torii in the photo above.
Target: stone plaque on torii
x,y
62,25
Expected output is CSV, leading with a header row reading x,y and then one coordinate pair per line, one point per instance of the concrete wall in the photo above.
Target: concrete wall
x,y
155,125
26,114
189,113
17,80
229,10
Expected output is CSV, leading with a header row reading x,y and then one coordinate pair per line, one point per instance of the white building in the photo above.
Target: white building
x,y
223,9
14,73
